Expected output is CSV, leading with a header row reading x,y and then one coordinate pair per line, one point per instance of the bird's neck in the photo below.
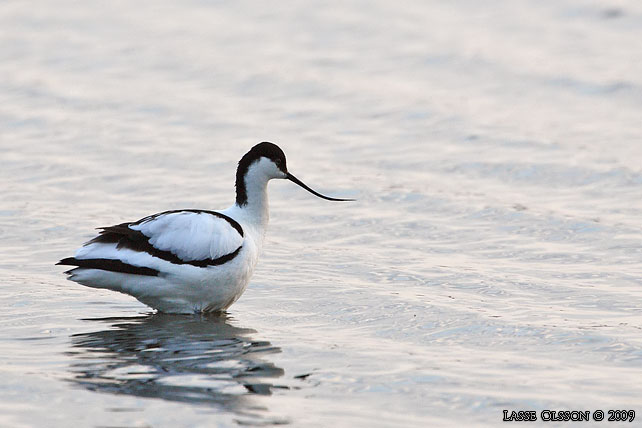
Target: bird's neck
x,y
251,196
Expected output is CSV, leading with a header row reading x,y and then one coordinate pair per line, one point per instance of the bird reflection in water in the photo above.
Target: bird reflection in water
x,y
192,359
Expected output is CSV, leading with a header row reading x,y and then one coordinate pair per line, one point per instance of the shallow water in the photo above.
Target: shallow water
x,y
493,259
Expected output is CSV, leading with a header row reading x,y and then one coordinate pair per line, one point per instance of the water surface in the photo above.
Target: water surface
x,y
493,259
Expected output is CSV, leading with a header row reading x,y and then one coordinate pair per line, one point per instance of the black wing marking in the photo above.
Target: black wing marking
x,y
125,237
107,264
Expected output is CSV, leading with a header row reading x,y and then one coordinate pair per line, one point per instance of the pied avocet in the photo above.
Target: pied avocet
x,y
187,261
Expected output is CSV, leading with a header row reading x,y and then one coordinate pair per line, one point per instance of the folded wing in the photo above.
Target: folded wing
x,y
188,237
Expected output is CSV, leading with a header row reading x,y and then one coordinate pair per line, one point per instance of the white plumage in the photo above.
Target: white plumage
x,y
191,235
188,260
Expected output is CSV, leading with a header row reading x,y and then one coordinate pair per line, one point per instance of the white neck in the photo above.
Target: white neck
x,y
256,209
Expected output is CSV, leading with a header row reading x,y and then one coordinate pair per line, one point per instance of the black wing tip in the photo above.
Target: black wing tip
x,y
112,265
69,261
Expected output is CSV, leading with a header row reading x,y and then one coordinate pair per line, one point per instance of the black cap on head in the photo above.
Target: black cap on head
x,y
261,150
266,150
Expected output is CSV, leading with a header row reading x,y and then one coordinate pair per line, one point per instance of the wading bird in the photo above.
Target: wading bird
x,y
188,261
